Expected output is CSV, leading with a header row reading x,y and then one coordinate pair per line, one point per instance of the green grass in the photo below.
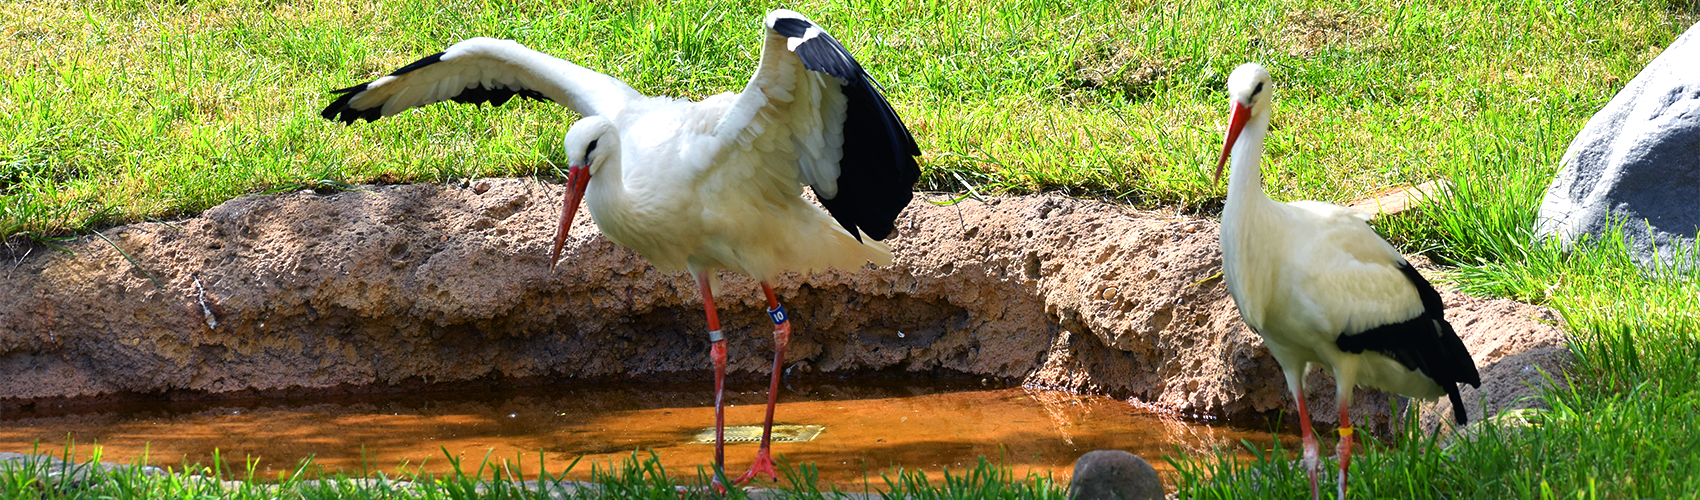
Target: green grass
x,y
118,111
640,476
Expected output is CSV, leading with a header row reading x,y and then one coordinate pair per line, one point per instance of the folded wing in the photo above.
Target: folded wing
x,y
1380,303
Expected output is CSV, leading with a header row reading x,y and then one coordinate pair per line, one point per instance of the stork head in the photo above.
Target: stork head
x,y
590,144
1249,91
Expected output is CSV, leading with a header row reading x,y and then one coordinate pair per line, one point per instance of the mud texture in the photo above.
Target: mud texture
x,y
398,286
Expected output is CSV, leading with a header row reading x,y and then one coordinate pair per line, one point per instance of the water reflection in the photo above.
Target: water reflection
x,y
872,426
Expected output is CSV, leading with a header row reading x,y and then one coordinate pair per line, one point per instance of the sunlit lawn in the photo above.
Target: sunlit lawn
x,y
119,111
122,111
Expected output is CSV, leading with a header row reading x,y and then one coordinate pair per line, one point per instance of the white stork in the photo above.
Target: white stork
x,y
1323,289
710,185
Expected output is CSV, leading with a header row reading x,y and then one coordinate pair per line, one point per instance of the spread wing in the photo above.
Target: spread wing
x,y
817,118
480,70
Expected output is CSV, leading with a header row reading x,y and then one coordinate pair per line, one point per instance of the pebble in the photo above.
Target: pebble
x,y
1114,474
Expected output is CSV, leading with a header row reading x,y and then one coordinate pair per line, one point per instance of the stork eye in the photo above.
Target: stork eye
x,y
588,149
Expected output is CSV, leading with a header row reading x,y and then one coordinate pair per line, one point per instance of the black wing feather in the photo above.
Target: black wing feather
x,y
878,172
1426,343
340,110
422,62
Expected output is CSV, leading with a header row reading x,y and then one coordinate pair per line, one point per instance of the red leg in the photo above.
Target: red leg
x,y
1311,461
717,354
781,340
1345,449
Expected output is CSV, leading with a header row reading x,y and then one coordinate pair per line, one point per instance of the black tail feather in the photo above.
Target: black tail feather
x,y
1458,412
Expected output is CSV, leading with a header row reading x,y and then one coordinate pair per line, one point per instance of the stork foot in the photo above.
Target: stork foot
x,y
762,465
713,486
1344,450
1312,468
1312,461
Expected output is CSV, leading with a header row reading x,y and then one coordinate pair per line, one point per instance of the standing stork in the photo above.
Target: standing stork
x,y
710,185
1323,289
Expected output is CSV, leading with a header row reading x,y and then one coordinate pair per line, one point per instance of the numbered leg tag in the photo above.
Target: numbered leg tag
x,y
778,314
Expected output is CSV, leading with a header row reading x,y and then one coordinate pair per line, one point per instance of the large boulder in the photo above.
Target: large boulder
x,y
1637,164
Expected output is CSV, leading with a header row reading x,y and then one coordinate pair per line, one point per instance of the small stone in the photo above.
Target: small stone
x,y
1114,474
480,187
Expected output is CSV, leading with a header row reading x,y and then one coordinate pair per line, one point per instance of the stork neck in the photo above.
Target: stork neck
x,y
608,185
606,196
1245,181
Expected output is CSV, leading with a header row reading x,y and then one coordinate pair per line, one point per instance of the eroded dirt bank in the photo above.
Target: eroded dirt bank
x,y
433,283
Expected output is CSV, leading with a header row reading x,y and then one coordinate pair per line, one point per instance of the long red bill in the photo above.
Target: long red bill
x,y
578,177
1236,124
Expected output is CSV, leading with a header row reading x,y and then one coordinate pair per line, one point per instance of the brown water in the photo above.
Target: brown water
x,y
871,428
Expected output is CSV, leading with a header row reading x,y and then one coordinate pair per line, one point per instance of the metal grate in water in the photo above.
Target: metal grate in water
x,y
782,433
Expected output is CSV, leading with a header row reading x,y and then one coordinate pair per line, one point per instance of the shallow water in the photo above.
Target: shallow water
x,y
871,427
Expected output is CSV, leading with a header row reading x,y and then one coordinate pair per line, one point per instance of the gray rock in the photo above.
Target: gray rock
x,y
1114,475
1637,163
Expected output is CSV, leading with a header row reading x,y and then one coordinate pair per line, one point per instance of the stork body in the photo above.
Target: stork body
x,y
1322,288
710,185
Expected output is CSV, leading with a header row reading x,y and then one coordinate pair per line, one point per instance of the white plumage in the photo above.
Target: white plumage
x,y
710,185
1322,288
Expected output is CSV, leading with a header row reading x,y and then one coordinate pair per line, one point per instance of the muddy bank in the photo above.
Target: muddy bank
x,y
414,284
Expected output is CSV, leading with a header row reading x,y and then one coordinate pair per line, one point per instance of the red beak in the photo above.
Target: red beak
x,y
578,177
1236,124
